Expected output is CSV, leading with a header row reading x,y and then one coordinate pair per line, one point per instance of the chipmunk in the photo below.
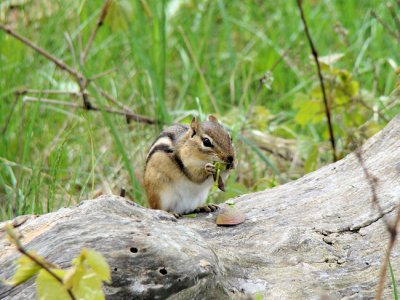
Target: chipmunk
x,y
180,170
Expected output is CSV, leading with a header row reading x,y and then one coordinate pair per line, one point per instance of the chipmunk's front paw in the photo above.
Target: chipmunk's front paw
x,y
176,215
210,169
206,208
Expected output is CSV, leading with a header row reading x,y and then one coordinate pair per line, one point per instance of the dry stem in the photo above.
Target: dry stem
x,y
81,80
391,228
128,115
99,23
42,265
321,80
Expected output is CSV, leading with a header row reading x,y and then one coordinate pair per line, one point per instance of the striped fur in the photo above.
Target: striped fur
x,y
175,177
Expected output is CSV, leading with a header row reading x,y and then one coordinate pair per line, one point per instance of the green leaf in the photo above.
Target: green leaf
x,y
98,263
190,216
74,275
48,288
299,100
26,268
308,113
90,287
354,87
219,166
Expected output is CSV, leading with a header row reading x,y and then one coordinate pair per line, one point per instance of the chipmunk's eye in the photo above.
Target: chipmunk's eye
x,y
207,142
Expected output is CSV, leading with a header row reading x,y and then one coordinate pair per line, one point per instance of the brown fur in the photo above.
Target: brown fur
x,y
162,169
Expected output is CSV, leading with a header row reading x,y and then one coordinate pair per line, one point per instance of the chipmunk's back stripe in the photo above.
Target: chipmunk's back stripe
x,y
181,166
159,148
170,135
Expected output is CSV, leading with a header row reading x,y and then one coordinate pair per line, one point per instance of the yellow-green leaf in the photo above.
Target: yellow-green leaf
x,y
26,268
48,288
74,274
307,113
98,263
90,287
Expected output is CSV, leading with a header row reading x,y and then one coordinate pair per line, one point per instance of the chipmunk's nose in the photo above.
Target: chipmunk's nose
x,y
230,162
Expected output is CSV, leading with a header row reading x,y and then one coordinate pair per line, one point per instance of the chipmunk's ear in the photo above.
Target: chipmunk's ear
x,y
212,118
194,126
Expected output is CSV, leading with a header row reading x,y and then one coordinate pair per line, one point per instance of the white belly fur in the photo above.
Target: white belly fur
x,y
184,196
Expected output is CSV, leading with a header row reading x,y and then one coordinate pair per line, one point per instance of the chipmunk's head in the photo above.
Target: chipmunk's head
x,y
213,142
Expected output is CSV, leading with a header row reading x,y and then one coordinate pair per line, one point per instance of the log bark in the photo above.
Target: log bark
x,y
317,236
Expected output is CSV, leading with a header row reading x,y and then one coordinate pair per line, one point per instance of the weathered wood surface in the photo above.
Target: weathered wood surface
x,y
316,236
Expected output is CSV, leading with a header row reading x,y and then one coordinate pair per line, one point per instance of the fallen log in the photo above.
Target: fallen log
x,y
317,236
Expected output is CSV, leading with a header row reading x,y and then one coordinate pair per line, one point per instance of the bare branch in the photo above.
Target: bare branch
x,y
81,80
47,92
11,234
385,25
391,228
7,122
321,80
99,23
382,273
394,15
372,181
131,116
59,63
102,74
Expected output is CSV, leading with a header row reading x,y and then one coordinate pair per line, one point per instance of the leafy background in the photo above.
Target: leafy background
x,y
172,59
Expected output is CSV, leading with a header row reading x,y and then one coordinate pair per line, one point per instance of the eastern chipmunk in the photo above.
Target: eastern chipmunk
x,y
180,170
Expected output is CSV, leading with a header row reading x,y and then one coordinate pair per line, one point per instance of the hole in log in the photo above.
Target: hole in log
x,y
163,271
133,250
115,269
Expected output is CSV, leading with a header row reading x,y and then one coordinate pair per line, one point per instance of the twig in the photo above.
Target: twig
x,y
131,116
80,79
321,80
281,57
47,92
391,228
7,122
99,23
102,74
42,265
199,70
380,114
382,273
129,112
372,181
59,63
385,25
394,15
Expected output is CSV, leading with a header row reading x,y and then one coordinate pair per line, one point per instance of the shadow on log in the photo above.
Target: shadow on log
x,y
319,235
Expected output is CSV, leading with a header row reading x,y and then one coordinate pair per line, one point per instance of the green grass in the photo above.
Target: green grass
x,y
394,283
165,55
